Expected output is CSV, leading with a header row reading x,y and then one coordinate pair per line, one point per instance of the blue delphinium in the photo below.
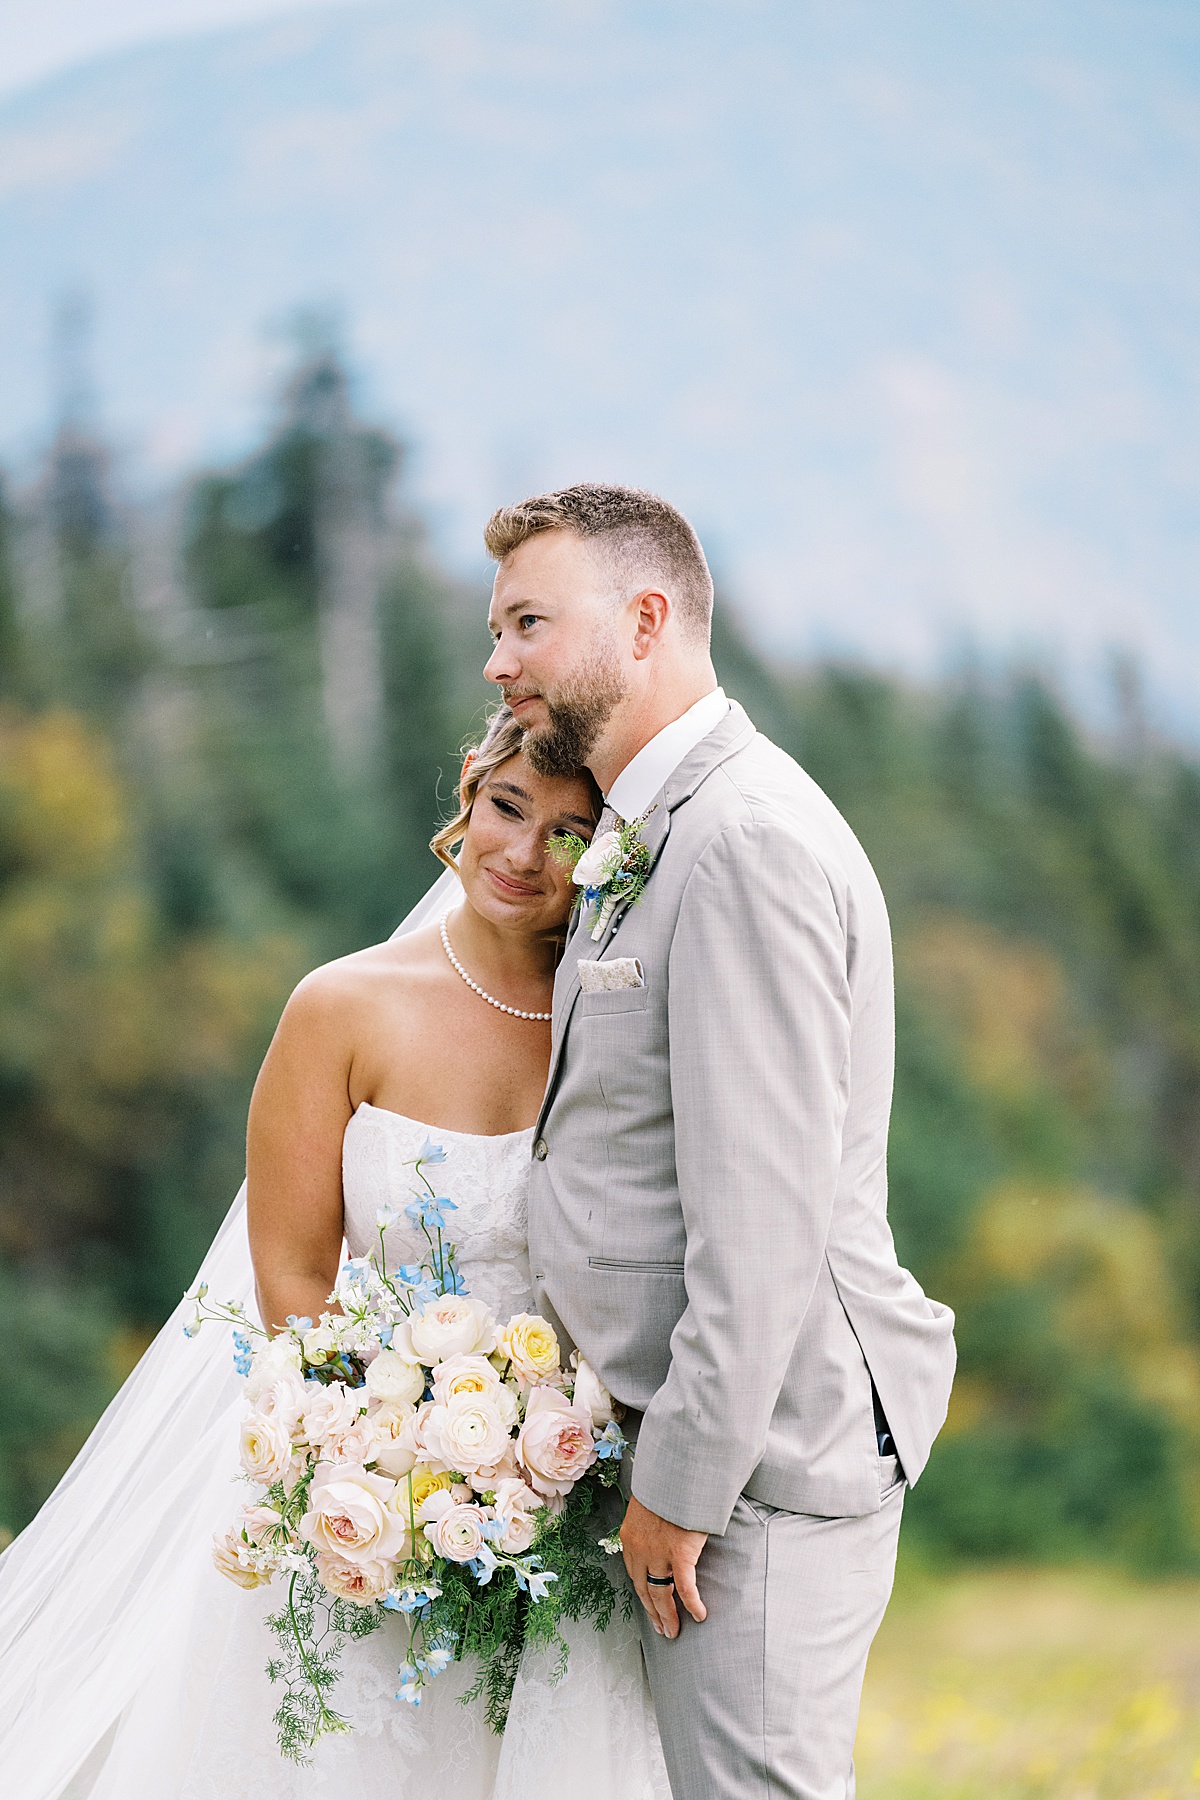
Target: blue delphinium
x,y
610,1442
430,1210
410,1684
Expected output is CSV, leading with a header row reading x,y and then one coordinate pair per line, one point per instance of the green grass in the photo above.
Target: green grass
x,y
1034,1685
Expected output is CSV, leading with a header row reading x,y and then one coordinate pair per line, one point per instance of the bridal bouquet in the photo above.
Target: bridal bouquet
x,y
410,1454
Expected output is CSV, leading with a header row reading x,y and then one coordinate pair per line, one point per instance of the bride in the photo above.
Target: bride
x,y
129,1668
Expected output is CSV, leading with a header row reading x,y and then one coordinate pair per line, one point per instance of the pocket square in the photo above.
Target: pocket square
x,y
617,972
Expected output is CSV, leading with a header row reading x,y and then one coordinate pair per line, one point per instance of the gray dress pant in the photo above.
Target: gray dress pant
x,y
760,1702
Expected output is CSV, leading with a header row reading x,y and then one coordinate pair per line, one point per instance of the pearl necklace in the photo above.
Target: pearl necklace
x,y
474,985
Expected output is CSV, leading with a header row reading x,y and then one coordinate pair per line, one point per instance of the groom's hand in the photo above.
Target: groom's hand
x,y
653,1546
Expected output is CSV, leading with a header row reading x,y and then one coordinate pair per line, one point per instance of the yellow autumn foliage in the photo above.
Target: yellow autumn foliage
x,y
1102,1265
1003,1003
102,1016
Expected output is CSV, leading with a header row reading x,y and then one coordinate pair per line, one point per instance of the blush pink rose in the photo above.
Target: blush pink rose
x,y
349,1515
516,1506
555,1444
451,1325
234,1558
259,1523
363,1583
330,1412
458,1532
283,1400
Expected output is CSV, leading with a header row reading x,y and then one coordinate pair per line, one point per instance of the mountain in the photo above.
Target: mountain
x,y
899,302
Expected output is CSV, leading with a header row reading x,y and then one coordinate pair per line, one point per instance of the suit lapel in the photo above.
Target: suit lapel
x,y
731,734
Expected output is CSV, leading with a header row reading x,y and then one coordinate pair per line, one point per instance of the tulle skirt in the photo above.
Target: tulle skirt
x,y
200,1726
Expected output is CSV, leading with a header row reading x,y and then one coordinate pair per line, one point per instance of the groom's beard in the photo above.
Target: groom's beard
x,y
578,713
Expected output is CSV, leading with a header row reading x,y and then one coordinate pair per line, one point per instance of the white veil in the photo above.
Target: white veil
x,y
101,1594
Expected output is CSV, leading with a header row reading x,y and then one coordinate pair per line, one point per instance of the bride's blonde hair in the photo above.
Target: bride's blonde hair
x,y
501,740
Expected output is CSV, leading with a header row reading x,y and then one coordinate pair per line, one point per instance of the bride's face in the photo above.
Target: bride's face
x,y
508,873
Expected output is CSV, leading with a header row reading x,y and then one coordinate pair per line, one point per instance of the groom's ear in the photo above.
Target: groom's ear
x,y
653,612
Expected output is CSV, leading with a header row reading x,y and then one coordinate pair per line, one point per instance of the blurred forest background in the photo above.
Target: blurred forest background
x,y
227,729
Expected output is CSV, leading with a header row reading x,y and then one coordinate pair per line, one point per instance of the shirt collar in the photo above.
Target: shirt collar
x,y
655,763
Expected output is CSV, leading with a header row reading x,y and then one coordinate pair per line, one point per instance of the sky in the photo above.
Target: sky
x,y
39,38
900,299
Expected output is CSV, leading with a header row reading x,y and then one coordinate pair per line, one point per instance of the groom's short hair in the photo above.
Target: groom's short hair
x,y
645,540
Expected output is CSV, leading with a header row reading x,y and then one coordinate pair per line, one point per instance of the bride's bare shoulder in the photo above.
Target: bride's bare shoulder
x,y
336,993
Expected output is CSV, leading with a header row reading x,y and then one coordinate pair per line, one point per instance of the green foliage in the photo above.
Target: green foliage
x,y
494,1622
183,832
311,1628
1044,906
65,1361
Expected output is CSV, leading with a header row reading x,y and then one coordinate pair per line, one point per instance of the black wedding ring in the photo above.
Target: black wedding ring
x,y
661,1580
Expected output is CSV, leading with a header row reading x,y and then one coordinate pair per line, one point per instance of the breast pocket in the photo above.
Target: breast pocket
x,y
612,1000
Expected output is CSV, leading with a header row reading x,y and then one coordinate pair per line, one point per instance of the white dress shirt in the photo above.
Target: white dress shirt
x,y
654,764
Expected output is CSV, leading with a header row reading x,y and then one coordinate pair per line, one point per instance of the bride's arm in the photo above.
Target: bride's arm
x,y
298,1115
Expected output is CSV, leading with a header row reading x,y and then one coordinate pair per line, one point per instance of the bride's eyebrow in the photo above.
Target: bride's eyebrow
x,y
510,787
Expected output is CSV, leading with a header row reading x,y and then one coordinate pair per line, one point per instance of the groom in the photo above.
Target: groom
x,y
708,1206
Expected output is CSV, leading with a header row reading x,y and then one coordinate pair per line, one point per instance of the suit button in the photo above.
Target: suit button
x,y
541,1149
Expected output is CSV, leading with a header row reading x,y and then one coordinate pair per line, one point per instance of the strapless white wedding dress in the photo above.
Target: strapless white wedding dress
x,y
591,1736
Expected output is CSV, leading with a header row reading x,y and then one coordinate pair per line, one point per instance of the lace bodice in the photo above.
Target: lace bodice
x,y
487,1178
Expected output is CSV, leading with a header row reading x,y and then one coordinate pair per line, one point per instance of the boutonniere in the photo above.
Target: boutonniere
x,y
610,871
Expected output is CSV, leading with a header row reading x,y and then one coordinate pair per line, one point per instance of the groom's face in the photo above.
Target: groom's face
x,y
557,658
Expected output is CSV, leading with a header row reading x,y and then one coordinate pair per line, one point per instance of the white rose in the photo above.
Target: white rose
x,y
329,1412
452,1325
265,1449
320,1343
233,1558
460,1533
349,1515
393,1377
281,1353
392,1454
284,1399
474,1375
599,862
516,1506
361,1582
467,1433
591,1392
357,1445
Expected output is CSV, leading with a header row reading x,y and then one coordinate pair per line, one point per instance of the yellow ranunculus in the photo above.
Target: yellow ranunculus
x,y
426,1481
531,1346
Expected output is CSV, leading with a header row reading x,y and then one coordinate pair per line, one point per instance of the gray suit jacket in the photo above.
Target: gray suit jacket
x,y
708,1209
